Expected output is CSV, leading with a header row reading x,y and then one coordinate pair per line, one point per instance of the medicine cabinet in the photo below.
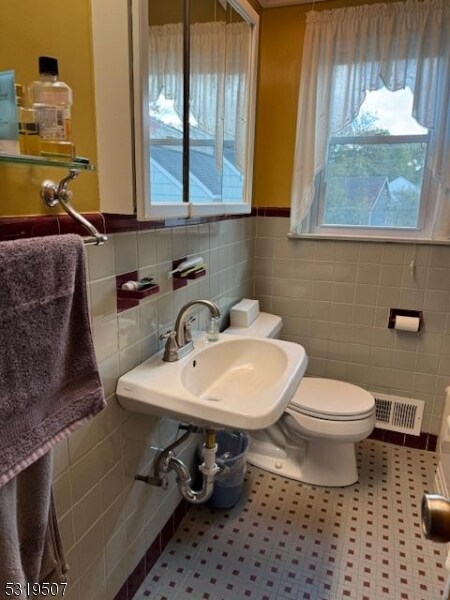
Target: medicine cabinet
x,y
175,93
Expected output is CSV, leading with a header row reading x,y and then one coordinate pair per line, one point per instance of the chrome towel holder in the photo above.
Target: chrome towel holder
x,y
57,193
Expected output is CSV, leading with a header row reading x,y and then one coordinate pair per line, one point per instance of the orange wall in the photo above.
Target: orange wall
x,y
59,28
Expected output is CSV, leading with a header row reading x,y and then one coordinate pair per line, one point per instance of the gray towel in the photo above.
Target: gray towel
x,y
49,385
49,382
30,547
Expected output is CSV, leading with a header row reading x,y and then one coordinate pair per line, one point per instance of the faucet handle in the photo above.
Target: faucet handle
x,y
171,347
170,333
187,329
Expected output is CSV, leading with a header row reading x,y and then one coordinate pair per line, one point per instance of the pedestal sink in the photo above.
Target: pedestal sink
x,y
236,382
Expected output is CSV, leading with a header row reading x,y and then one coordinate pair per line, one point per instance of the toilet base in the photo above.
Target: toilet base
x,y
328,464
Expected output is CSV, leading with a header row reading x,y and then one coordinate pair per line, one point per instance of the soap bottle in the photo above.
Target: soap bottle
x,y
28,131
52,100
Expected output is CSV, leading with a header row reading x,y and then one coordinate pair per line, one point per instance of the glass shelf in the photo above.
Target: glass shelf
x,y
78,162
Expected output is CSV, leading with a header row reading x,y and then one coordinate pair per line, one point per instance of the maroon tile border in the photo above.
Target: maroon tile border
x,y
273,211
121,223
152,554
12,228
68,225
424,441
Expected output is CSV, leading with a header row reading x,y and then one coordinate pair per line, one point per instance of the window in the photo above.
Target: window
x,y
373,131
375,166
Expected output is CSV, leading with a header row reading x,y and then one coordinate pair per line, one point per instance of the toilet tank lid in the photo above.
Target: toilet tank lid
x,y
266,325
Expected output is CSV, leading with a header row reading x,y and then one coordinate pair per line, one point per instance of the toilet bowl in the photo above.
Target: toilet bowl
x,y
314,440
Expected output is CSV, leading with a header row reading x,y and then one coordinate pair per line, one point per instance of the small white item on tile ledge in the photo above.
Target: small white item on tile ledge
x,y
142,284
191,264
244,313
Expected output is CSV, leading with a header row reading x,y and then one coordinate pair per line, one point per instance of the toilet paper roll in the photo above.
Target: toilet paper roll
x,y
407,323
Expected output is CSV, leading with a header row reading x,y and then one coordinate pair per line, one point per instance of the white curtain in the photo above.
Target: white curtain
x,y
219,83
166,64
237,88
353,50
208,70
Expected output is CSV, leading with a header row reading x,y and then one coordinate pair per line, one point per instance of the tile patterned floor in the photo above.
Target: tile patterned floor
x,y
290,541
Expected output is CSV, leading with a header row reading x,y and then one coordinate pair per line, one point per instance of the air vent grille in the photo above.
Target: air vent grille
x,y
398,414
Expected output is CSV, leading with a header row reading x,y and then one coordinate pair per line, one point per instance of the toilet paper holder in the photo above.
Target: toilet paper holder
x,y
404,312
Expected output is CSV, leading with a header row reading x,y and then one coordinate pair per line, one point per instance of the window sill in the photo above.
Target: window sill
x,y
219,208
366,238
188,210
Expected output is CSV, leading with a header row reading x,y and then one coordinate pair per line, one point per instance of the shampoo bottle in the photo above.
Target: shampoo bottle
x,y
52,100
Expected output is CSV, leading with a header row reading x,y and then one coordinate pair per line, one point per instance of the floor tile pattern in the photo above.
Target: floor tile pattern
x,y
291,541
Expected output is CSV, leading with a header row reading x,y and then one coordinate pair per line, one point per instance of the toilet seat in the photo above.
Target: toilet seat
x,y
331,400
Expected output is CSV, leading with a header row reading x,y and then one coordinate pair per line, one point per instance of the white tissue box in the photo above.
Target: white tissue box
x,y
244,313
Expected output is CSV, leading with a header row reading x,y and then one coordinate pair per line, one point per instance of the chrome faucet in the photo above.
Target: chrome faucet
x,y
179,341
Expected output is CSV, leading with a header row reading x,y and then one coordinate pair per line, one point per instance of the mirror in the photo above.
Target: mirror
x,y
165,100
219,84
195,101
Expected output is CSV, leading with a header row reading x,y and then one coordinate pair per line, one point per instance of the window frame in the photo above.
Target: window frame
x,y
424,221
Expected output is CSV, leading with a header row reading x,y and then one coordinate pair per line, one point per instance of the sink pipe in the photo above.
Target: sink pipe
x,y
166,461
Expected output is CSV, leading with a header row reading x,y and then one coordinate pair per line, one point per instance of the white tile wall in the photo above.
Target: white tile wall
x,y
108,520
335,296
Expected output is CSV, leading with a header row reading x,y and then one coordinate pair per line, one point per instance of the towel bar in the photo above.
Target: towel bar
x,y
57,193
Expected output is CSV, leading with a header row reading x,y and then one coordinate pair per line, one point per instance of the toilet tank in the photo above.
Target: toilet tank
x,y
265,325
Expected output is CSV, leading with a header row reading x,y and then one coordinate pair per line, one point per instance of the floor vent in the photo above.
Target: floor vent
x,y
398,414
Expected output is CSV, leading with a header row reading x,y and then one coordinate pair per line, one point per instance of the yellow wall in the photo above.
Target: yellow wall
x,y
281,45
281,40
59,28
161,13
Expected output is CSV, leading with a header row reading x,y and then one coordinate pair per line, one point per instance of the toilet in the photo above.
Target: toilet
x,y
314,440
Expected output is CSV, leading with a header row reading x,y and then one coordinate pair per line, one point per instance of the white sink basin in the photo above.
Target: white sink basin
x,y
237,382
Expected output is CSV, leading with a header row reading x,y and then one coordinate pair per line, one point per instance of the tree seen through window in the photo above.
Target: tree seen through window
x,y
375,165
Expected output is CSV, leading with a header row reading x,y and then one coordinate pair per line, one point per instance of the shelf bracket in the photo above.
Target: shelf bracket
x,y
57,193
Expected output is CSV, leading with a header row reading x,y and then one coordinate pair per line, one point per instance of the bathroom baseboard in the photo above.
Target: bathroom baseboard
x,y
424,441
134,581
